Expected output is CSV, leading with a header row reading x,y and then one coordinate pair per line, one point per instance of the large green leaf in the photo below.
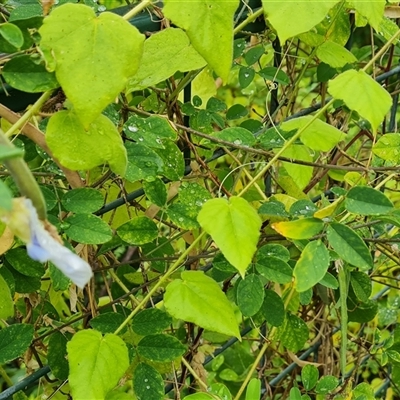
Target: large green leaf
x,y
82,200
318,136
366,200
209,25
312,265
94,56
362,94
96,363
6,304
300,228
148,383
170,44
303,15
234,226
371,10
349,245
197,298
14,340
293,333
160,347
78,148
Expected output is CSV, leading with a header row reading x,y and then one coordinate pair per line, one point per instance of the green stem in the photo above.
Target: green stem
x,y
170,271
24,179
247,21
343,290
136,10
6,378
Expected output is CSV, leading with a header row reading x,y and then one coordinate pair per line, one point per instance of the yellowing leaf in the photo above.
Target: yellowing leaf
x,y
94,56
303,15
234,226
209,25
198,298
372,10
299,229
318,136
79,149
362,94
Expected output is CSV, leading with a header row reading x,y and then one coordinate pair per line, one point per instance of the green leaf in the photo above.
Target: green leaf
x,y
335,54
7,303
312,265
366,200
274,250
237,135
362,94
21,262
209,25
246,76
57,355
107,322
274,269
299,229
170,44
273,309
148,383
88,229
156,192
29,75
361,284
92,62
327,384
82,200
294,394
293,333
250,295
137,231
274,74
59,280
303,15
151,321
151,131
329,281
14,340
173,164
371,10
96,363
199,299
236,111
273,209
78,148
143,162
199,396
253,390
254,54
363,312
309,376
193,194
349,245
318,136
234,226
160,347
388,147
12,34
183,215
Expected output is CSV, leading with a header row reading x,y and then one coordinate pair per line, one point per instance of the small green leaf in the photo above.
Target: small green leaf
x,y
148,384
309,376
246,76
107,322
349,245
236,111
274,74
193,194
209,25
273,309
29,75
327,384
237,135
57,355
96,363
88,229
388,147
362,94
198,298
156,192
293,333
318,136
275,269
14,340
363,312
335,55
250,295
253,390
254,54
294,394
78,148
234,226
299,229
92,63
361,284
137,231
160,347
274,250
12,34
82,200
329,281
173,164
183,215
273,209
151,321
7,303
366,200
312,265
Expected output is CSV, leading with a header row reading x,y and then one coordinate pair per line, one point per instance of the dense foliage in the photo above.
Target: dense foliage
x,y
229,172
